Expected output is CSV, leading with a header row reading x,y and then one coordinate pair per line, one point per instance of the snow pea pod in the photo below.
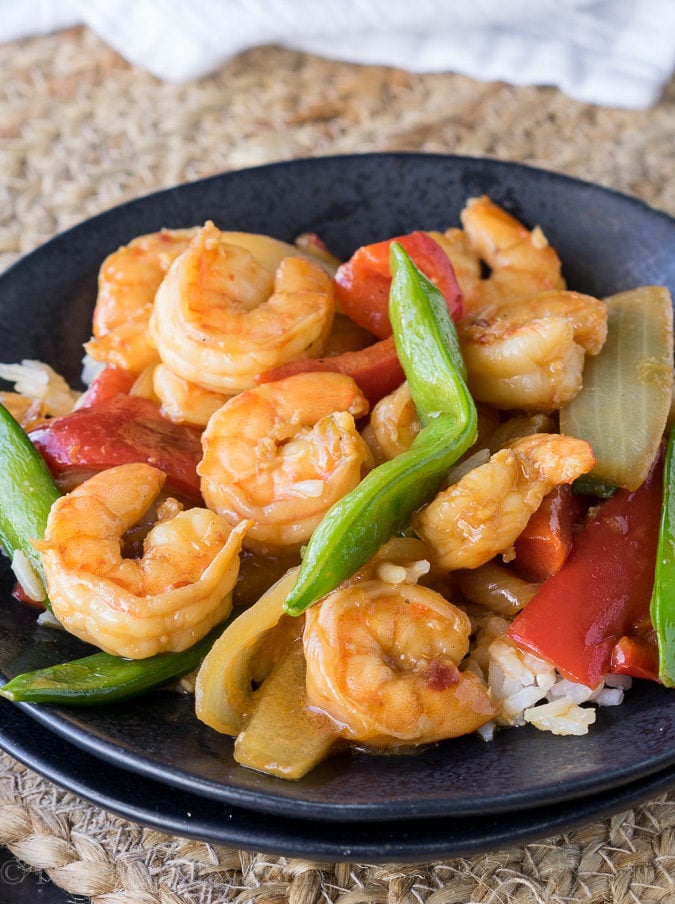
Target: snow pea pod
x,y
426,343
27,491
662,605
102,678
357,525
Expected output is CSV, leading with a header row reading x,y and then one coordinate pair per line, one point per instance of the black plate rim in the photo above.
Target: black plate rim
x,y
141,800
402,156
276,803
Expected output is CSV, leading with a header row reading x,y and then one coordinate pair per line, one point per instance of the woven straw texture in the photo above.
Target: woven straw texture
x,y
81,131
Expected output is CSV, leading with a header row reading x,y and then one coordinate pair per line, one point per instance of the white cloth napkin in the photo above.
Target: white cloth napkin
x,y
609,52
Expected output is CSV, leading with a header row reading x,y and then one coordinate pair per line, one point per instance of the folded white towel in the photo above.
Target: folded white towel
x,y
609,52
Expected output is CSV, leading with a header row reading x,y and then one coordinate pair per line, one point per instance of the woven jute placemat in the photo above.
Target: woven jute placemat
x,y
81,131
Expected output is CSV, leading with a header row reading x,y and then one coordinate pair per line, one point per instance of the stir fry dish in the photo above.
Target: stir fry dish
x,y
369,504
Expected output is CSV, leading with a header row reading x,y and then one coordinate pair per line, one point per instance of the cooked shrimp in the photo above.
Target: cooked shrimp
x,y
127,283
281,454
221,316
481,515
464,259
529,354
394,422
382,662
184,402
521,262
394,425
166,600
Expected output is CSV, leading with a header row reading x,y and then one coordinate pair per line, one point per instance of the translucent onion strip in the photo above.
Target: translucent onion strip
x,y
624,404
496,587
225,681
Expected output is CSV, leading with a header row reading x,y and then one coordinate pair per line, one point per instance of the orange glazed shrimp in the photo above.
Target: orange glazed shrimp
x,y
281,454
165,601
465,261
521,261
382,662
394,422
221,316
482,514
184,402
529,353
127,283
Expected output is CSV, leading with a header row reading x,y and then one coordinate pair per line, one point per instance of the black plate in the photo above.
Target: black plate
x,y
607,241
190,816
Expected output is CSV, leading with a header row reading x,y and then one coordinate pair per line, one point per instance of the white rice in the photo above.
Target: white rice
x,y
393,573
528,690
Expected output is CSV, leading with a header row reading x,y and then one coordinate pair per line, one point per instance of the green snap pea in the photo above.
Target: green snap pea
x,y
357,525
27,491
426,342
102,678
662,606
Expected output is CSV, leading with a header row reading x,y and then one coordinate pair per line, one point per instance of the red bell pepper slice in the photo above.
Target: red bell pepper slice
x,y
20,594
117,431
602,593
637,656
375,369
543,546
362,289
106,384
362,283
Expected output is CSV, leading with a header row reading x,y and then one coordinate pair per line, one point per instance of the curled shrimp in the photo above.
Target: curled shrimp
x,y
521,261
481,515
382,662
184,402
127,283
281,454
168,599
464,259
222,316
394,422
529,354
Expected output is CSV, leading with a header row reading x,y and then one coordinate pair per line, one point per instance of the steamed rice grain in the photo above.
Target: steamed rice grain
x,y
528,690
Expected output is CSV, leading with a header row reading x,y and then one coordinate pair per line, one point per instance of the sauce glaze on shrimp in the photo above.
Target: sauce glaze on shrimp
x,y
481,515
127,283
382,663
221,316
281,454
520,260
168,599
529,353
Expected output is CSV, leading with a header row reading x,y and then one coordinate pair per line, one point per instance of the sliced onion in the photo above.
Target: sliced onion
x,y
283,736
226,678
496,587
624,404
